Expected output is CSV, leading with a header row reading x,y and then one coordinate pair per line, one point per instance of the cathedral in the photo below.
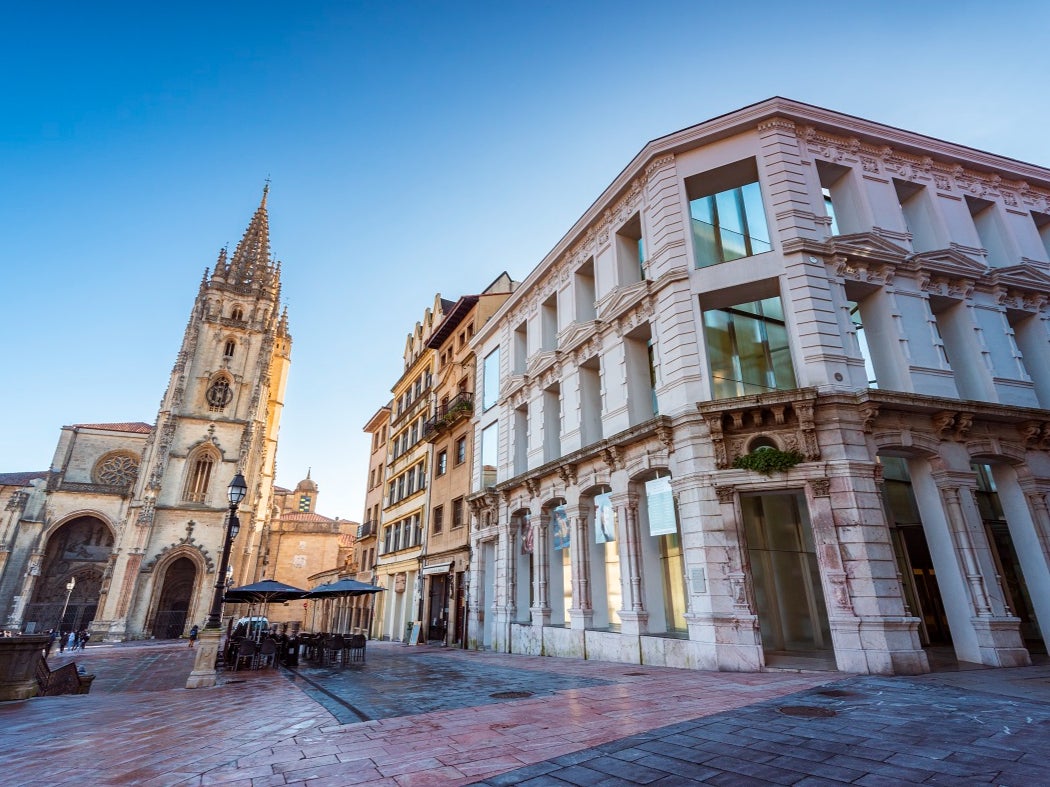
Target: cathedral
x,y
124,532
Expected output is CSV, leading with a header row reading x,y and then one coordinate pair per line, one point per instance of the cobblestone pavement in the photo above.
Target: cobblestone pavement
x,y
423,716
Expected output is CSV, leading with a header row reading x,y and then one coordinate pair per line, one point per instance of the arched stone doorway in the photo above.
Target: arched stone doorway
x,y
176,594
78,550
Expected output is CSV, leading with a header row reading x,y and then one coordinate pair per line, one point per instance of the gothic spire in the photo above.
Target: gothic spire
x,y
251,265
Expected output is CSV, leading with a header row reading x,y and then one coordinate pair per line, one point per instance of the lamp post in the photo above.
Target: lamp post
x,y
72,583
204,669
235,493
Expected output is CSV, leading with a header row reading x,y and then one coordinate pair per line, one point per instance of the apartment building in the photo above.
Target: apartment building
x,y
446,558
406,493
366,547
778,398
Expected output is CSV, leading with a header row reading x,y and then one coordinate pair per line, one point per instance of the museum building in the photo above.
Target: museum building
x,y
780,397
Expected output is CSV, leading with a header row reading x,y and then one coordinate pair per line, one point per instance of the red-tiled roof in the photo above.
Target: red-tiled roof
x,y
305,517
20,479
130,426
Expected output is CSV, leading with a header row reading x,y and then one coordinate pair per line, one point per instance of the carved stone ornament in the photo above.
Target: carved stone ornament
x,y
1034,434
820,487
726,494
869,412
951,425
568,474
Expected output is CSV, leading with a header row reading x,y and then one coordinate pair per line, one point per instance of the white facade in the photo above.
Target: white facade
x,y
863,304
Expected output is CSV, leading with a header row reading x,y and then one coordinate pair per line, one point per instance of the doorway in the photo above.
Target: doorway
x,y
789,599
175,596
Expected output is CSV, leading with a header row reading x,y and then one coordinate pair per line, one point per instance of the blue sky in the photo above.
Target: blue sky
x,y
414,148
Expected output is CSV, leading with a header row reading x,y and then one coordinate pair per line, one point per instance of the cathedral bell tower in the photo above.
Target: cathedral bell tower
x,y
219,416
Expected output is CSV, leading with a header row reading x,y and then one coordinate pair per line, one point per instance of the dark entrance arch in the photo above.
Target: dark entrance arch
x,y
78,550
175,596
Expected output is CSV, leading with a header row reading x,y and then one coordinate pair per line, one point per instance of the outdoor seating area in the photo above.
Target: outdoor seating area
x,y
333,649
254,646
272,650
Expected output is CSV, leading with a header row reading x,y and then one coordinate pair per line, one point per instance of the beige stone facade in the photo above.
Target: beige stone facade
x,y
133,515
446,554
298,544
400,536
778,398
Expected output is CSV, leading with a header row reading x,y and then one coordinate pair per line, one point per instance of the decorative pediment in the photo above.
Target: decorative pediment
x,y
513,384
576,333
541,361
1024,277
867,246
949,262
621,299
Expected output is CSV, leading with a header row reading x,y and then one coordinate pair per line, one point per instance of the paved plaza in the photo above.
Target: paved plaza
x,y
428,716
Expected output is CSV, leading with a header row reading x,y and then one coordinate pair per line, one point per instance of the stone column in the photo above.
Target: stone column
x,y
870,630
581,614
541,609
634,618
997,634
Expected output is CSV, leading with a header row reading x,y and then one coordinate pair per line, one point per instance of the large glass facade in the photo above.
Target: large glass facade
x,y
747,348
729,225
489,454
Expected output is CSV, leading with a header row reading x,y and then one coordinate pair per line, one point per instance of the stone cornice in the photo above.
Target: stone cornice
x,y
567,467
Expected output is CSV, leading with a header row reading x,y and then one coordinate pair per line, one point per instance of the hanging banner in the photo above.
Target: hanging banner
x,y
559,528
604,519
660,505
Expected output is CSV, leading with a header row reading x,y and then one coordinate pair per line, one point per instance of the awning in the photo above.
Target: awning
x,y
440,568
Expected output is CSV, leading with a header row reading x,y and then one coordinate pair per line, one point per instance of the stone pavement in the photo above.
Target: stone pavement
x,y
422,716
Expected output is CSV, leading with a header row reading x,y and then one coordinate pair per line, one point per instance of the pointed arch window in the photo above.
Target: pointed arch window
x,y
196,490
227,350
237,313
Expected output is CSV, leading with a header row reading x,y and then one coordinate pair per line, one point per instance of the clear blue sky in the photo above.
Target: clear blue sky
x,y
414,148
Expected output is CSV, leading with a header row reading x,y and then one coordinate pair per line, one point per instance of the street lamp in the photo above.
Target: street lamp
x,y
208,652
235,493
72,583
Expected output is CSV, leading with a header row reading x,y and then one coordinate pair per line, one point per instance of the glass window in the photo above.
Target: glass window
x,y
728,217
747,347
491,380
457,512
438,518
442,463
489,454
461,450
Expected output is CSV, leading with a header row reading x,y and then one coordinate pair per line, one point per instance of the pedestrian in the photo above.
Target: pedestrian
x,y
85,635
61,642
71,640
193,634
53,637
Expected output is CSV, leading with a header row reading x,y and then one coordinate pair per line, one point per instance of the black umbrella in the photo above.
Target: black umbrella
x,y
344,587
264,591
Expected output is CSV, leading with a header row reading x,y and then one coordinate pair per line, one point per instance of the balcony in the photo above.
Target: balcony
x,y
366,529
448,415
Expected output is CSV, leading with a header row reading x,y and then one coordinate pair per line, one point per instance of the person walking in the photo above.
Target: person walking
x,y
71,640
53,638
193,635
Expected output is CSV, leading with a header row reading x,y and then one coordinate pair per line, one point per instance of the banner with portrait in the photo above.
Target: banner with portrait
x,y
604,519
559,528
660,507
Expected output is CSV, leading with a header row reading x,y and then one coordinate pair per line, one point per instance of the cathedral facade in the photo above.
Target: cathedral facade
x,y
124,532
